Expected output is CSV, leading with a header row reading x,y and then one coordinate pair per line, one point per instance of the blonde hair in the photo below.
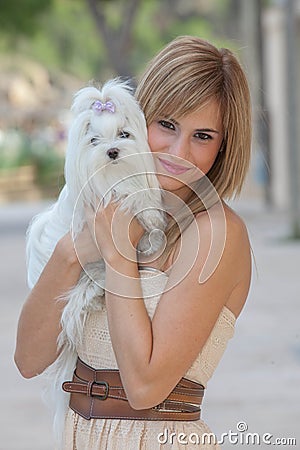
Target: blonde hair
x,y
182,78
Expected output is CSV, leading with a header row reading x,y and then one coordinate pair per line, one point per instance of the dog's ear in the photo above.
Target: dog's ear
x,y
138,122
77,135
79,129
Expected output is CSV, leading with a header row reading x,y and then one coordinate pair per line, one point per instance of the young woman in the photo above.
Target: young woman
x,y
169,317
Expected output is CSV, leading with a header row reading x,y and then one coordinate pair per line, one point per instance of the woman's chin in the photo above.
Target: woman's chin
x,y
173,185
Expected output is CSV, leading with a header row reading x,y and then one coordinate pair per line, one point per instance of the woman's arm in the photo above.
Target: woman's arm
x,y
153,356
39,322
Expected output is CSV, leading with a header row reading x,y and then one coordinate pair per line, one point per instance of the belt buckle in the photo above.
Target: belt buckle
x,y
105,395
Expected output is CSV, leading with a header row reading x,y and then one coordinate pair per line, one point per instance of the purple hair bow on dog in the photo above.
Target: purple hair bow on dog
x,y
99,106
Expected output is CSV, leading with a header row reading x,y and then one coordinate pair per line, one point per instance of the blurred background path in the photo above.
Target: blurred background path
x,y
258,380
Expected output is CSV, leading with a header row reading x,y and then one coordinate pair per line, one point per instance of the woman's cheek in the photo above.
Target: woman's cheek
x,y
155,139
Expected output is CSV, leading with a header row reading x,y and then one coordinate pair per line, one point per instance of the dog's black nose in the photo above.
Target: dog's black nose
x,y
113,152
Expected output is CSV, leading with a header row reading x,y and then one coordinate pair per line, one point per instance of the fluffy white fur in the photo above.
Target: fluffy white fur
x,y
94,177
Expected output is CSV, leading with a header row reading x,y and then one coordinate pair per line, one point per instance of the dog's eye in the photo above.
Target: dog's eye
x,y
94,141
124,135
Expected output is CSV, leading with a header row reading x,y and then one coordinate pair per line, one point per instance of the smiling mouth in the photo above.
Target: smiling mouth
x,y
173,168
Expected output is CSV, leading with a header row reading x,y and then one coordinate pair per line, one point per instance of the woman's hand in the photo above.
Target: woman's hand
x,y
115,233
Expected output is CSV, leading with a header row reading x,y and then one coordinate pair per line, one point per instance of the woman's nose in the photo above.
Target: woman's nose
x,y
180,148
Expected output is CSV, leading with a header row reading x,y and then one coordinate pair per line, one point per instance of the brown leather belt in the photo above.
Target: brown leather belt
x,y
99,394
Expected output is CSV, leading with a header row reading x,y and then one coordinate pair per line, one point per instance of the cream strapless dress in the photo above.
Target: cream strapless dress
x,y
114,434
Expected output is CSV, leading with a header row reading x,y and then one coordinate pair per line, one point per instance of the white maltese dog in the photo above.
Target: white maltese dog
x,y
107,159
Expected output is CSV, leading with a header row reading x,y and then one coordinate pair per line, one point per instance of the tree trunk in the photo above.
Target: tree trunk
x,y
118,43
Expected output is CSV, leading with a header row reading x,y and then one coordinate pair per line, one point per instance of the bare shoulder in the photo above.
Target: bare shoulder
x,y
228,234
227,222
238,245
224,221
236,228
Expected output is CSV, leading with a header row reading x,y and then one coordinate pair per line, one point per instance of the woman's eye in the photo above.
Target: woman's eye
x,y
124,135
166,124
203,136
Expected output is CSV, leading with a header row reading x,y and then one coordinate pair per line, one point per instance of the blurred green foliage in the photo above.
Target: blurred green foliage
x,y
60,37
17,149
22,17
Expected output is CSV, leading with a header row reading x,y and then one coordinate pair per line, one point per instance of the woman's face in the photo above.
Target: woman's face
x,y
185,148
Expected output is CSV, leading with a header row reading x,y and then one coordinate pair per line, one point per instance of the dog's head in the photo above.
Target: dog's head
x,y
108,129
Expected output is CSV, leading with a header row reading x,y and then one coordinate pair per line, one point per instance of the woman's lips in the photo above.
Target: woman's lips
x,y
173,168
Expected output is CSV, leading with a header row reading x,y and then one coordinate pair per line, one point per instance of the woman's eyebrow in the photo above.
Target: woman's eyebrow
x,y
208,130
173,120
